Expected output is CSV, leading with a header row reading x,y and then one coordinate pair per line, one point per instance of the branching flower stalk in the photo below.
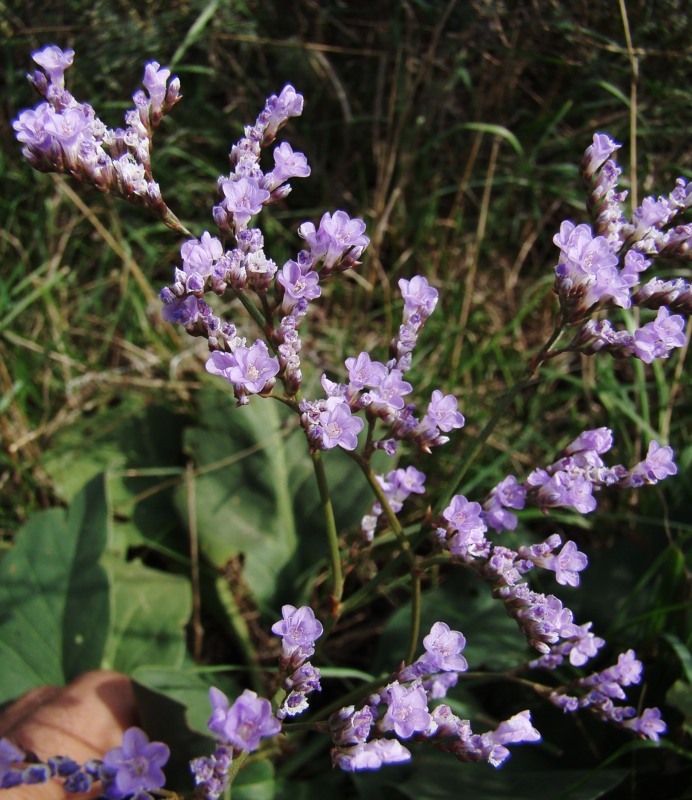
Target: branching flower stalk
x,y
406,549
600,268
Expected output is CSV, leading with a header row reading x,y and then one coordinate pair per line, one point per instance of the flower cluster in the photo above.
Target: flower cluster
x,y
132,770
569,482
397,485
380,389
241,725
601,689
402,709
237,727
65,135
601,267
284,292
298,631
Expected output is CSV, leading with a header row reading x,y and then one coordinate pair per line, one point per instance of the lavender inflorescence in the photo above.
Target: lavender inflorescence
x,y
602,268
599,269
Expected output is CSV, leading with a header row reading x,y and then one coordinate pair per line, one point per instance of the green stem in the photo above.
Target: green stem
x,y
253,311
234,769
170,220
408,553
332,536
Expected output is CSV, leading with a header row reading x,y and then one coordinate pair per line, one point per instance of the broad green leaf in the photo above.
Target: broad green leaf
x,y
188,687
256,495
436,776
242,497
139,446
149,612
54,595
165,698
493,640
256,781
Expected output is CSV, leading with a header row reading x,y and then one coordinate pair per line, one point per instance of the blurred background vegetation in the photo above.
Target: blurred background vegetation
x,y
455,129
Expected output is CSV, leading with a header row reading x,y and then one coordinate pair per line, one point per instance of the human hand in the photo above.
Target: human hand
x,y
83,720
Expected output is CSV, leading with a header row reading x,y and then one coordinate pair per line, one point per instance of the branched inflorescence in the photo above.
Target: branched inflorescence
x,y
599,269
602,267
63,134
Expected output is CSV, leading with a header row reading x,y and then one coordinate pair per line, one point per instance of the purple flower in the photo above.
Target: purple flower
x,y
335,236
301,683
400,483
220,705
70,127
657,465
278,109
185,312
154,81
388,396
583,645
9,755
200,255
338,426
419,297
635,263
297,284
443,648
463,516
245,722
30,127
251,368
362,372
287,165
299,630
599,440
565,489
54,62
349,727
567,564
244,199
442,412
407,709
136,766
609,682
509,493
628,670
512,731
653,213
212,773
648,726
587,273
371,755
601,149
656,339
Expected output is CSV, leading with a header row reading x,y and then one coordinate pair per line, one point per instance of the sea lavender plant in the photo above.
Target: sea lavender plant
x,y
368,405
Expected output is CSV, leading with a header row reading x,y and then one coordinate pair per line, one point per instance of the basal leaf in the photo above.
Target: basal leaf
x,y
256,781
54,595
189,688
493,640
256,494
436,776
242,498
149,612
165,698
